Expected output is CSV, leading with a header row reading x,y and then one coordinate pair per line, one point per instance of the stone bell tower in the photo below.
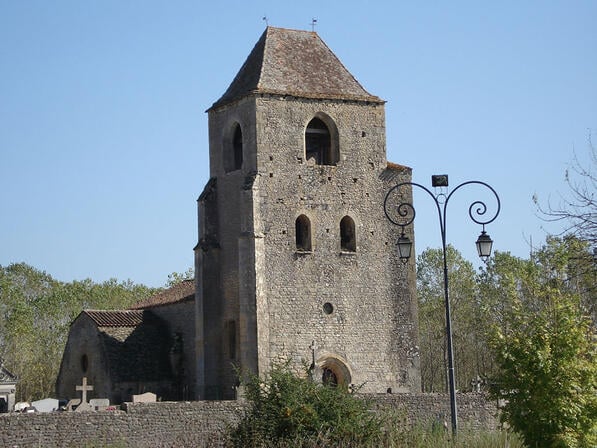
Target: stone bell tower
x,y
296,260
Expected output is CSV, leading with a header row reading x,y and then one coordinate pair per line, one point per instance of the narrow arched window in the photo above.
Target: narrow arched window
x,y
303,233
319,144
237,148
348,241
233,149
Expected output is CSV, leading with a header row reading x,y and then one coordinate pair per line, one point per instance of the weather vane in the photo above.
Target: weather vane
x,y
313,23
264,18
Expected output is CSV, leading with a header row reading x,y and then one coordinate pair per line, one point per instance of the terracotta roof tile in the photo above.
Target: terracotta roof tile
x,y
394,172
116,318
397,167
180,292
296,63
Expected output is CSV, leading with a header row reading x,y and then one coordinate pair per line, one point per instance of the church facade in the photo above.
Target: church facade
x,y
296,261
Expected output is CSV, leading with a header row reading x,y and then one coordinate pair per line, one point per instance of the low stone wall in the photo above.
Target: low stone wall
x,y
202,423
165,424
475,411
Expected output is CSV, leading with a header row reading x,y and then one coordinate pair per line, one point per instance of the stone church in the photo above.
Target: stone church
x,y
147,348
295,262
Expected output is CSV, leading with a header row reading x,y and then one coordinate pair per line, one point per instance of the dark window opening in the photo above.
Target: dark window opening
x,y
233,150
237,145
303,233
318,143
84,363
347,235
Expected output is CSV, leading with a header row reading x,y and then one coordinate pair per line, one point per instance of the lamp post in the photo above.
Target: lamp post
x,y
402,214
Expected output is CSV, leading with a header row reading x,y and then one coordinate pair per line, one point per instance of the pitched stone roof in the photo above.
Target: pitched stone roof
x,y
181,292
296,63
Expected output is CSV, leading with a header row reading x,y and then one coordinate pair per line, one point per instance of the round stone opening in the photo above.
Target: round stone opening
x,y
328,308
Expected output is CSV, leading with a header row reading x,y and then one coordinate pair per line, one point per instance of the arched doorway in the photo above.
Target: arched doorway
x,y
335,372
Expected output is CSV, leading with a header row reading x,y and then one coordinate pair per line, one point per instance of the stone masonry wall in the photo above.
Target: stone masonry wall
x,y
181,319
358,306
475,411
165,424
202,423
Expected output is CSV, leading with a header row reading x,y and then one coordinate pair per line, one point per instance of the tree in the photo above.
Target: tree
x,y
579,208
177,277
35,316
470,354
545,347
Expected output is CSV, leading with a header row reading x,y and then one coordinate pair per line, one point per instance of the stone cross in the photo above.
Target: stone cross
x,y
84,389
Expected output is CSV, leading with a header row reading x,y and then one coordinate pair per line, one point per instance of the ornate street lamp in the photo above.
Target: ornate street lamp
x,y
484,244
405,246
402,214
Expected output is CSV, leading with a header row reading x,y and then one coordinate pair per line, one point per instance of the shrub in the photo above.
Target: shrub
x,y
285,409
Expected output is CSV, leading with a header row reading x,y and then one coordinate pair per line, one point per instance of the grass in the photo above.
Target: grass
x,y
413,438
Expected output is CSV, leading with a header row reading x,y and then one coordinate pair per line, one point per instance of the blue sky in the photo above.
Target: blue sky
x,y
103,135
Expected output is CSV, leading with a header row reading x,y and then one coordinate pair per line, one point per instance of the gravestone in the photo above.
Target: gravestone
x,y
73,404
99,404
147,397
46,405
84,388
21,406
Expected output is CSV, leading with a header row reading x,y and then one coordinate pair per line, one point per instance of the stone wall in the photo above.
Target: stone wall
x,y
202,423
358,306
474,410
180,318
165,424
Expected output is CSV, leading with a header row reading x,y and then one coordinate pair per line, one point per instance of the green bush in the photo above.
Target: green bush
x,y
288,411
285,409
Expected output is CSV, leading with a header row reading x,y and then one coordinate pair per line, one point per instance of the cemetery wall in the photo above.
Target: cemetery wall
x,y
475,411
200,423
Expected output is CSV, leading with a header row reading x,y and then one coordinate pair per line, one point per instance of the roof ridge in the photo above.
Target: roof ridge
x,y
115,318
294,30
177,293
108,311
265,35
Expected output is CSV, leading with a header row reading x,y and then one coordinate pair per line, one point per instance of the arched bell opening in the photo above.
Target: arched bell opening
x,y
321,141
